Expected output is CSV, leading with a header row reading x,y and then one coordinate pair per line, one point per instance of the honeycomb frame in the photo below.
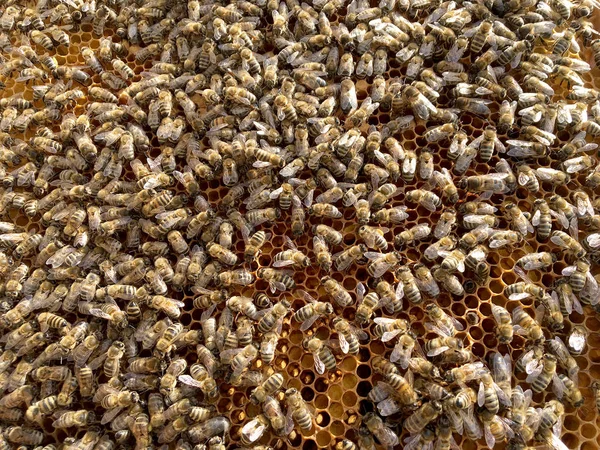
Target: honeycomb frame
x,y
340,397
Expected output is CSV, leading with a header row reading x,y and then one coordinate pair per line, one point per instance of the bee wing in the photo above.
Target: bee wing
x,y
99,313
306,296
475,143
576,305
594,240
110,415
342,264
558,387
481,395
504,399
400,290
558,241
490,440
283,263
455,419
381,269
535,372
428,203
387,437
439,329
345,347
591,280
374,255
384,320
389,335
309,323
369,239
387,407
319,365
254,429
360,334
438,350
498,243
399,353
189,381
569,270
360,292
276,285
522,274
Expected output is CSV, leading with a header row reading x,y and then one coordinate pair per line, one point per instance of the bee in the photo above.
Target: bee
x,y
419,103
448,281
235,277
427,199
78,418
568,243
425,281
312,311
579,275
545,374
349,336
483,183
442,321
416,233
487,142
457,145
475,106
114,355
24,436
274,317
490,394
344,259
299,410
322,355
267,388
419,419
201,378
291,256
538,260
525,325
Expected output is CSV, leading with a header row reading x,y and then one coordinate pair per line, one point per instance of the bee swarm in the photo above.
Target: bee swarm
x,y
325,224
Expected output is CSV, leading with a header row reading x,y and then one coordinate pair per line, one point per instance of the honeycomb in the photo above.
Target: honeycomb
x,y
339,397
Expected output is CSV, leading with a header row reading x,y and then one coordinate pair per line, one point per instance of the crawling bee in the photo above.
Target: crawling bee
x,y
293,256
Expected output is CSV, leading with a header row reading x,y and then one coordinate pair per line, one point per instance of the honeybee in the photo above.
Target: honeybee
x,y
268,387
235,277
312,311
349,336
442,321
419,419
339,294
444,180
538,260
299,410
525,325
486,183
427,199
211,427
291,256
416,233
544,374
579,275
345,258
420,104
322,355
486,143
201,377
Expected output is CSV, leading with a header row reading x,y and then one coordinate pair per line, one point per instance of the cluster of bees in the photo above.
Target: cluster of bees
x,y
113,168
